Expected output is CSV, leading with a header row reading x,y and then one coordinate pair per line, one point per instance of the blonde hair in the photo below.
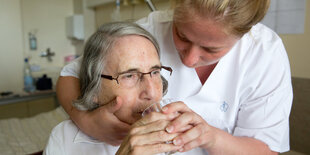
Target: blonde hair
x,y
237,16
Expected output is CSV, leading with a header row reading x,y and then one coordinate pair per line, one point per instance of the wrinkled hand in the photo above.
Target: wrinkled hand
x,y
148,136
103,125
200,135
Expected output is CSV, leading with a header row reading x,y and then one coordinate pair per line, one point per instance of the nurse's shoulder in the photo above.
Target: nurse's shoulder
x,y
156,16
264,35
263,43
153,21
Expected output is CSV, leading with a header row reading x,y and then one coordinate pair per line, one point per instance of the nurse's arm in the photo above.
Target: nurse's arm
x,y
100,123
229,144
212,139
68,90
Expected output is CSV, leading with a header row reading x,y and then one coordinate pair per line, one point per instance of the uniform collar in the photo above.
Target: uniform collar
x,y
163,16
83,138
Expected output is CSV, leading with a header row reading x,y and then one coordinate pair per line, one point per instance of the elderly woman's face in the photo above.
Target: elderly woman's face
x,y
132,54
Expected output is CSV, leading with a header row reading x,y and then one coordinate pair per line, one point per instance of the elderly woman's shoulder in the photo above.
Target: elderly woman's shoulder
x,y
66,127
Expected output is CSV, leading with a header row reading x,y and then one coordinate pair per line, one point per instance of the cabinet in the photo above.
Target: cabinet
x,y
75,27
28,107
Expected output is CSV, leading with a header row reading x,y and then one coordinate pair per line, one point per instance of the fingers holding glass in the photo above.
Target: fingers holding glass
x,y
198,134
151,111
150,136
153,149
156,137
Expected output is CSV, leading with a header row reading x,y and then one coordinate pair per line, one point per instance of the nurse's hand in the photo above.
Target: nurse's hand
x,y
102,124
200,135
148,136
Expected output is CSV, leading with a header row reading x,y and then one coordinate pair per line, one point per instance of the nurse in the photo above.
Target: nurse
x,y
231,76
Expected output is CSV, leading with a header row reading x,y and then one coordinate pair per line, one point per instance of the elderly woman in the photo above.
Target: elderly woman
x,y
120,59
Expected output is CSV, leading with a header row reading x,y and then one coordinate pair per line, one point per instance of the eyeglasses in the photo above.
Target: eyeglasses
x,y
130,79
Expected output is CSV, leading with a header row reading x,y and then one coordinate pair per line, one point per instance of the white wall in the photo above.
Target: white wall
x,y
47,17
17,19
297,46
89,20
129,12
11,46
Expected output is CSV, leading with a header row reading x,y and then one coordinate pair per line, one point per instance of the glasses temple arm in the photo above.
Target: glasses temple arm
x,y
107,77
168,69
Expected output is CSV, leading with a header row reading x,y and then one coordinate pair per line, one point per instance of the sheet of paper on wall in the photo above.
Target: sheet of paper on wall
x,y
286,16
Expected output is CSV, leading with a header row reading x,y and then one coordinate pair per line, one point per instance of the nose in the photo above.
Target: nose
x,y
148,88
191,56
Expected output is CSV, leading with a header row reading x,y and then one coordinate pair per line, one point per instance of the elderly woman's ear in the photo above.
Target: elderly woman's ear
x,y
165,85
95,99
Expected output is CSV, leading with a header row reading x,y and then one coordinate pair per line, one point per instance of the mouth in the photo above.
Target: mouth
x,y
141,109
136,116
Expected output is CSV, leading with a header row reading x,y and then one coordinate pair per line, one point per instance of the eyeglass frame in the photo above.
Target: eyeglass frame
x,y
109,77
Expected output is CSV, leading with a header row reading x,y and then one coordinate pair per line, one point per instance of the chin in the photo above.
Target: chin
x,y
197,65
200,64
205,64
130,119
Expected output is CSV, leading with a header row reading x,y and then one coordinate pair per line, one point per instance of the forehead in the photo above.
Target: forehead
x,y
205,32
132,52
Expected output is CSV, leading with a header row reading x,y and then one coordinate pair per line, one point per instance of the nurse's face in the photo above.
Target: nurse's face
x,y
132,54
201,42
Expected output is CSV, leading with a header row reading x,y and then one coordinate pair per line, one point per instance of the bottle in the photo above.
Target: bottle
x,y
116,14
28,80
32,42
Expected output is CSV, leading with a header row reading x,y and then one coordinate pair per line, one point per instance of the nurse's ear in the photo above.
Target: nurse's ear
x,y
165,85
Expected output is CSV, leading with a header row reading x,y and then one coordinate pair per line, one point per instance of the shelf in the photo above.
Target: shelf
x,y
95,3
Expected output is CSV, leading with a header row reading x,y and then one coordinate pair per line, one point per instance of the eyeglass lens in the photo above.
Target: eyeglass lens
x,y
130,79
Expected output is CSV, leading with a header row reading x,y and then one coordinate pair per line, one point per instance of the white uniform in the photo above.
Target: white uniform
x,y
249,93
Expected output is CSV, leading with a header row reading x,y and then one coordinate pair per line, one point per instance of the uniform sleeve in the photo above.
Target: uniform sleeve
x,y
267,99
72,69
147,23
267,119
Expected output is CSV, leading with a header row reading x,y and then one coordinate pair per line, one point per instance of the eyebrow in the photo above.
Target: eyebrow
x,y
137,70
211,48
181,35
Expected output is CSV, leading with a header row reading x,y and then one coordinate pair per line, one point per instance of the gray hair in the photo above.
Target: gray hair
x,y
97,48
